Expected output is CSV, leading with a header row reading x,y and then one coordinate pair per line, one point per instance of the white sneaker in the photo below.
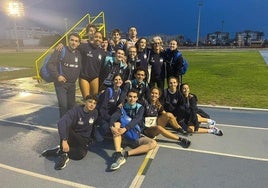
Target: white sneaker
x,y
217,131
211,124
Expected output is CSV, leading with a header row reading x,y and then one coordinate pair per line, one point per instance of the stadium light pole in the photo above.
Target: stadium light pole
x,y
200,3
15,9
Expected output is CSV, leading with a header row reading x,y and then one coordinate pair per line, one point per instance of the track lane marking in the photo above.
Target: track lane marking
x,y
215,153
140,176
30,125
44,177
31,103
50,128
242,126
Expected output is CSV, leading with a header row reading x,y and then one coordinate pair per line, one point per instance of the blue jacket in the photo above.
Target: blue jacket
x,y
174,62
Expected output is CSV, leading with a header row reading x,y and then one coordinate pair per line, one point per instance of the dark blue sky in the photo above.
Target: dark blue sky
x,y
153,16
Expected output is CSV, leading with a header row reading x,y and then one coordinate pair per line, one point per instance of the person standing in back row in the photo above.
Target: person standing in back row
x,y
143,53
132,38
156,61
116,42
174,61
91,30
93,57
65,80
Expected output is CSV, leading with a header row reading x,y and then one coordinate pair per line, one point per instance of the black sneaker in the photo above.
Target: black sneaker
x,y
125,154
180,130
53,152
62,161
118,161
185,143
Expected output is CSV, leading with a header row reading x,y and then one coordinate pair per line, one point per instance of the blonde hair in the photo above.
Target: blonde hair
x,y
157,38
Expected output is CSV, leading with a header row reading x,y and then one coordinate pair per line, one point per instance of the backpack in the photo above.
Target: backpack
x,y
44,72
134,133
185,64
111,93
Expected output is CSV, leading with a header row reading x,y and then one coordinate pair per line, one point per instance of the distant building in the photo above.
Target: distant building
x,y
218,38
22,32
249,38
27,36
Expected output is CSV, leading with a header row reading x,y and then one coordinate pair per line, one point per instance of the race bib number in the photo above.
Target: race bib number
x,y
150,121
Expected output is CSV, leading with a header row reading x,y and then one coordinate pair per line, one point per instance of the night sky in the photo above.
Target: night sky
x,y
171,17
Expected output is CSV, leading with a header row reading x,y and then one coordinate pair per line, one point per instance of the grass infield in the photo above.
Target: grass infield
x,y
217,77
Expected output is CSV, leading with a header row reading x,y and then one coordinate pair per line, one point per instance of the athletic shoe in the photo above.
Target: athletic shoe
x,y
53,152
217,131
211,123
124,154
62,161
119,160
180,130
185,143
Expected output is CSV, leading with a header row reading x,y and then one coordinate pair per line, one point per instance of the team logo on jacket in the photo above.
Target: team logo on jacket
x,y
91,120
80,122
89,54
152,60
99,57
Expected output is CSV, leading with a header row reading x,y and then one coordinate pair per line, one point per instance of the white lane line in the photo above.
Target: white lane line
x,y
215,153
1,116
243,127
30,125
44,177
21,113
33,104
44,127
234,108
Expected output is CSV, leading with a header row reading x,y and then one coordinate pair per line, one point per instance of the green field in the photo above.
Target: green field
x,y
217,77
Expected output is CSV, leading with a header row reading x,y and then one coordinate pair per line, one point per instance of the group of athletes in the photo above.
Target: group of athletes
x,y
122,82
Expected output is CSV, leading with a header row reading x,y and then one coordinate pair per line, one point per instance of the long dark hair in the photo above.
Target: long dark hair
x,y
158,103
138,42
